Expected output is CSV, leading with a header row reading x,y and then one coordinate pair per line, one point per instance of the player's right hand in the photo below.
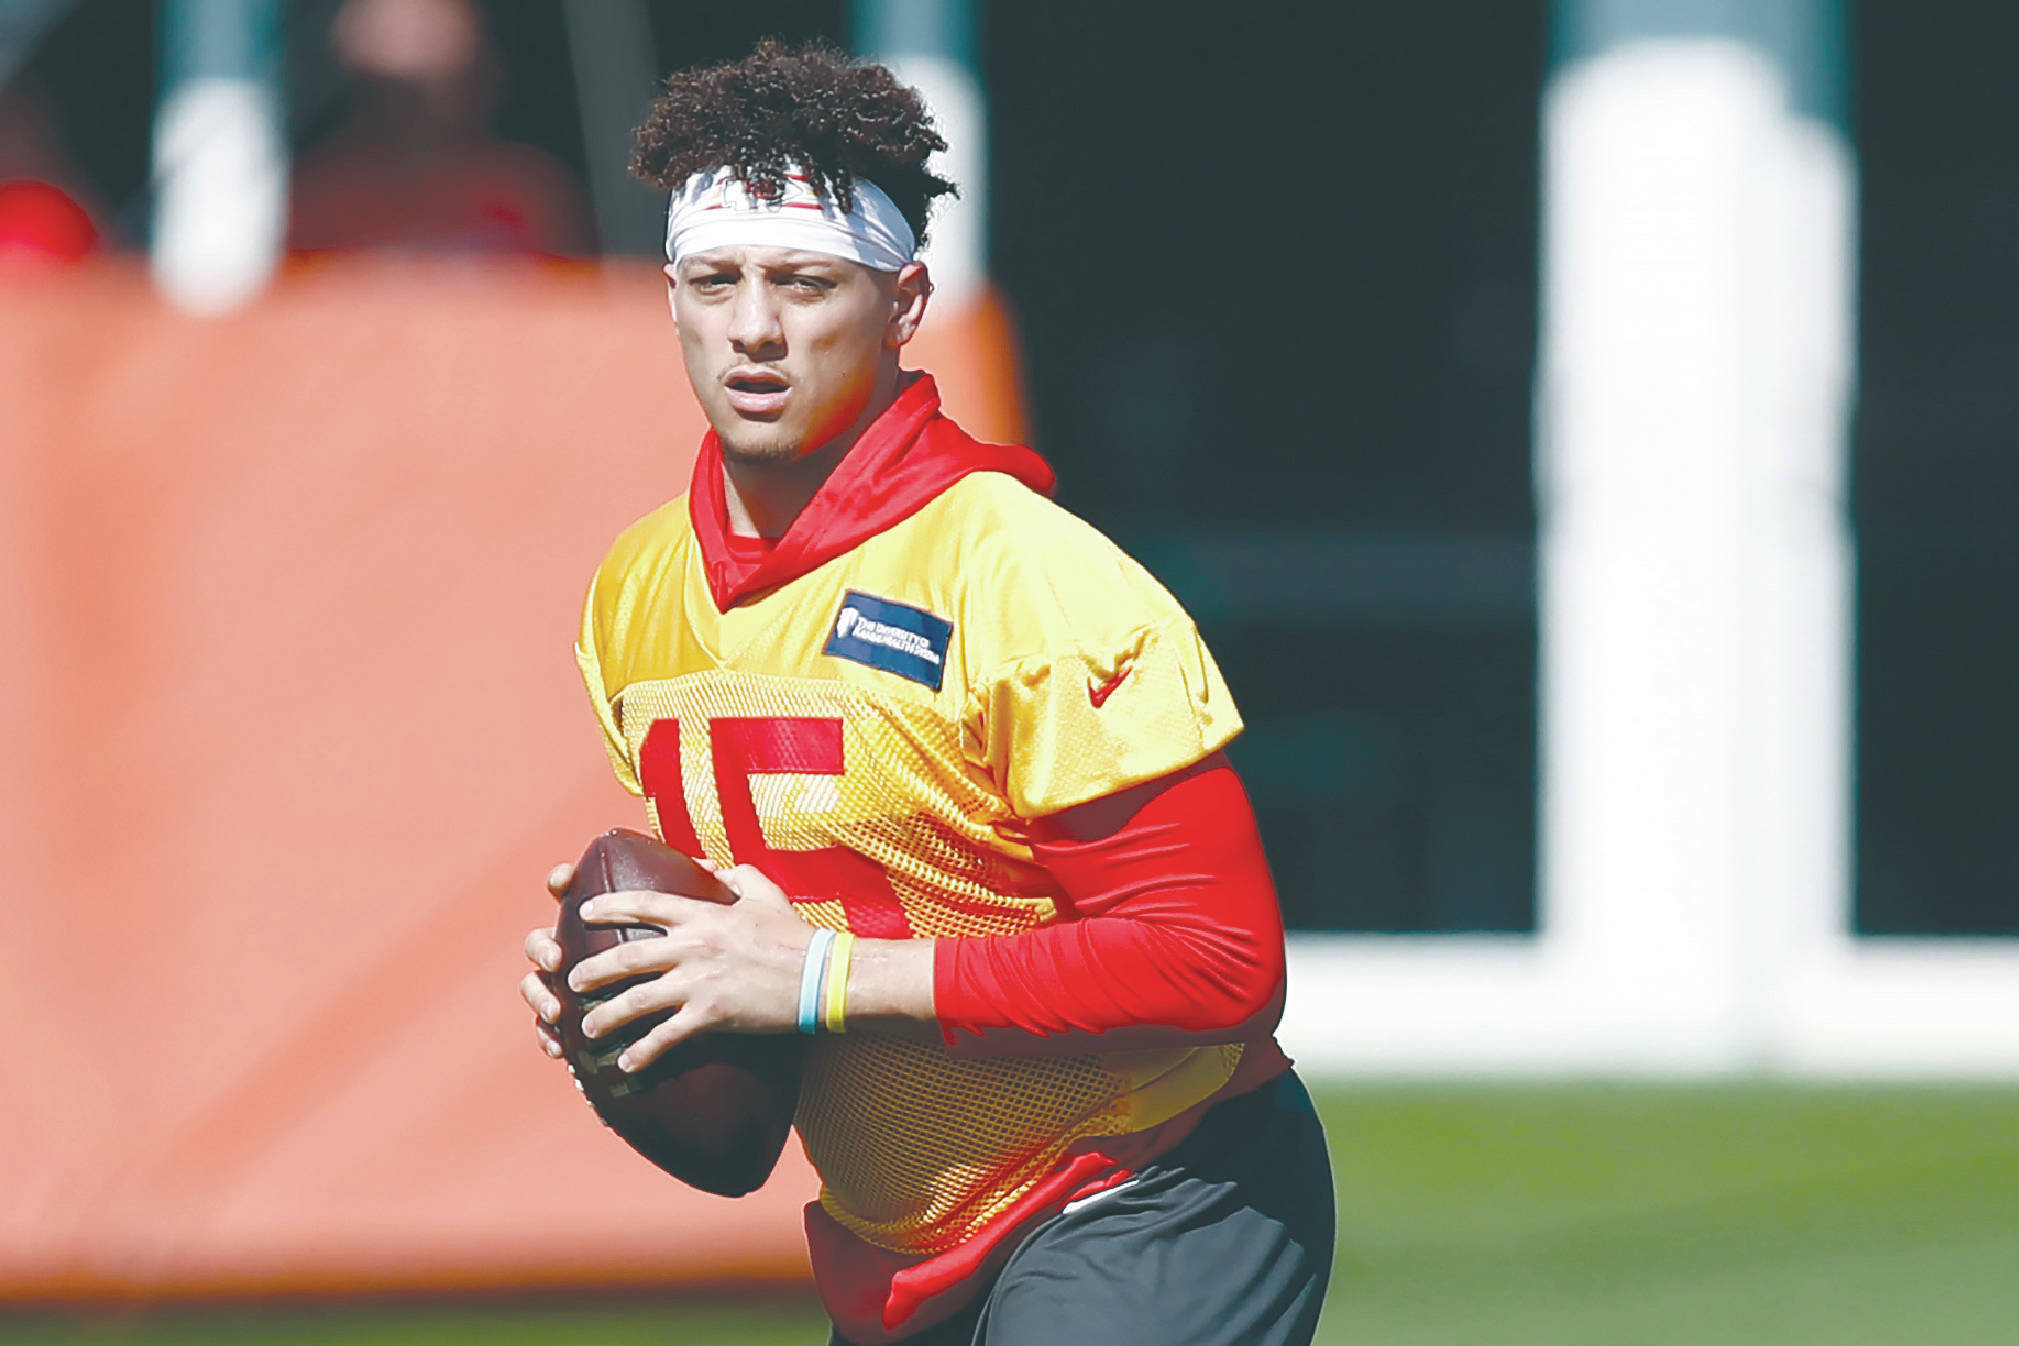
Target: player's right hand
x,y
543,951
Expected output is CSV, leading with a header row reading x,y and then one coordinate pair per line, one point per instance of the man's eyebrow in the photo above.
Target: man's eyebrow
x,y
804,261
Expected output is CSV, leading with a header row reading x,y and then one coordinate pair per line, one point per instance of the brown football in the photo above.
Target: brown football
x,y
713,1111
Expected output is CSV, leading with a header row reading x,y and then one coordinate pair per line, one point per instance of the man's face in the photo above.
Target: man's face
x,y
784,348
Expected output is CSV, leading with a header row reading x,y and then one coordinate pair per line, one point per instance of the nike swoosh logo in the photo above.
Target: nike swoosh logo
x,y
1099,695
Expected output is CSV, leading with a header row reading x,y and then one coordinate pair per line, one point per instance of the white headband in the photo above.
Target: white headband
x,y
716,210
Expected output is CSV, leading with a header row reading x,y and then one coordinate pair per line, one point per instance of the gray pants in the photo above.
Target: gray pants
x,y
1225,1241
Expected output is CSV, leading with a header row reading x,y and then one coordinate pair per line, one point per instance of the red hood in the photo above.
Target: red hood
x,y
907,456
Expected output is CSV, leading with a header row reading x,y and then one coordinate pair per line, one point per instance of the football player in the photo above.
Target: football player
x,y
961,760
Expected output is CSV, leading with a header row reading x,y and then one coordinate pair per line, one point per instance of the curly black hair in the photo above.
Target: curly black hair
x,y
843,121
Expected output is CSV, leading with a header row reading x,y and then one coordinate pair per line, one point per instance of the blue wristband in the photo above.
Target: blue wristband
x,y
811,974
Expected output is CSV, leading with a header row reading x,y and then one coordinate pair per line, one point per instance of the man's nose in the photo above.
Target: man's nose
x,y
754,324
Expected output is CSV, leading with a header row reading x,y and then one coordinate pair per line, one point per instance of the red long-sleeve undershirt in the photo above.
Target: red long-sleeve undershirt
x,y
1171,933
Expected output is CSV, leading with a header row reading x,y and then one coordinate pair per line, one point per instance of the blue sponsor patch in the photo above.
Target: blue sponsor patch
x,y
894,637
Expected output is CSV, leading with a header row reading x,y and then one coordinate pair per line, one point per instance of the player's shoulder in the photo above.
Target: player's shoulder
x,y
645,552
1035,576
646,548
993,517
660,532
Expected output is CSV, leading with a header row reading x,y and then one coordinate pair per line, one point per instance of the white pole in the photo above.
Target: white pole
x,y
1693,404
220,155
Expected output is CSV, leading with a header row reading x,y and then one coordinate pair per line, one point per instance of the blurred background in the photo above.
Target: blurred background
x,y
1582,428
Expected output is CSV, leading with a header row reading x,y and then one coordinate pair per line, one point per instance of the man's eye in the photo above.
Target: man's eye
x,y
808,284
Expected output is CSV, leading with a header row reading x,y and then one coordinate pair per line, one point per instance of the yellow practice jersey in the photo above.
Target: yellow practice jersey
x,y
878,735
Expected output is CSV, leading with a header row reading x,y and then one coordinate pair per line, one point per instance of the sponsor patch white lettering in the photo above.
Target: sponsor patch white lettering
x,y
852,625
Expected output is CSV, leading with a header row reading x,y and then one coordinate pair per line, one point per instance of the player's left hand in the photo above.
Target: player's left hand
x,y
732,968
543,951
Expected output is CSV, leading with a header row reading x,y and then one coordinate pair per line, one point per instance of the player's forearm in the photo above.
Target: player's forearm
x,y
890,987
1106,984
1153,989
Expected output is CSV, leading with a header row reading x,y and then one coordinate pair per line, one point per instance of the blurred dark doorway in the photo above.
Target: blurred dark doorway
x,y
1936,469
1275,272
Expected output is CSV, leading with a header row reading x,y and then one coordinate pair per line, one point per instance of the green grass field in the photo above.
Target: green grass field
x,y
1502,1216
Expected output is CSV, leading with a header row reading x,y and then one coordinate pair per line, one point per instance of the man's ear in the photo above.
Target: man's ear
x,y
672,284
912,292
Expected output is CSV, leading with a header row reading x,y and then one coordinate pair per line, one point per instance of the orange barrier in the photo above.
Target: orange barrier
x,y
292,732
